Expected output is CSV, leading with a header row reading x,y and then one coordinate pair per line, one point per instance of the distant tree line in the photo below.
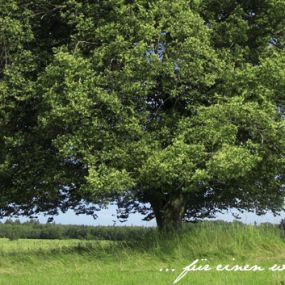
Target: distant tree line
x,y
14,229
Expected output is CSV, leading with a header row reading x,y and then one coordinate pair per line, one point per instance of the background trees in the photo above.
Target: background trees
x,y
179,105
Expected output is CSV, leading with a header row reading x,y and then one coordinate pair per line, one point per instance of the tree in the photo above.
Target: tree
x,y
178,105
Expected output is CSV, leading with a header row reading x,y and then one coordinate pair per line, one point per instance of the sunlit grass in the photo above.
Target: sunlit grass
x,y
54,262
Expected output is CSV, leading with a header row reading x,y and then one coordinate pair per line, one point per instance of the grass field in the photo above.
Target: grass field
x,y
70,262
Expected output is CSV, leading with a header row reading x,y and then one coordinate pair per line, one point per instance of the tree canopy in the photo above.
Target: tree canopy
x,y
171,109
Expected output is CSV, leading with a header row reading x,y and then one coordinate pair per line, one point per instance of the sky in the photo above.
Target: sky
x,y
107,217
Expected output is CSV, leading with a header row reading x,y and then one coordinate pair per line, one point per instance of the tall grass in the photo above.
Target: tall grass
x,y
138,261
202,240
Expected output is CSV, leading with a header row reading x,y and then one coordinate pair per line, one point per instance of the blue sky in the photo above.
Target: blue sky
x,y
108,217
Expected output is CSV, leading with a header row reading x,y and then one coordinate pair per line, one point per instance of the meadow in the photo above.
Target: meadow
x,y
151,259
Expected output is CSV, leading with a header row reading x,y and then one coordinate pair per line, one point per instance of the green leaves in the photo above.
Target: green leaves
x,y
142,101
107,182
231,162
174,167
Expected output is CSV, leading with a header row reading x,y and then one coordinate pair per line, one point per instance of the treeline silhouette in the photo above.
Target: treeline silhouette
x,y
14,229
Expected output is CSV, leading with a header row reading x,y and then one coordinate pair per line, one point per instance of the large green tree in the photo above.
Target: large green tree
x,y
171,109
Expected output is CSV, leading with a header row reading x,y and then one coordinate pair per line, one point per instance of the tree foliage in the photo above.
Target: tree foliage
x,y
178,105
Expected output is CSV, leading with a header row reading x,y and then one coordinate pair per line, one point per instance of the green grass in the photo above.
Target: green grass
x,y
70,262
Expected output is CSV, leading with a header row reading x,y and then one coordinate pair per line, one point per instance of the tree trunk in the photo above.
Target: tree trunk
x,y
169,213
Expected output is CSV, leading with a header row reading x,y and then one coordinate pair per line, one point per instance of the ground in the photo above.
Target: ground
x,y
148,261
